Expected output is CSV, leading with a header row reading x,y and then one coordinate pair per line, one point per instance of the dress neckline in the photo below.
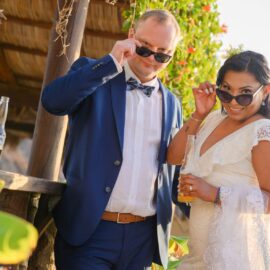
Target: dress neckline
x,y
225,137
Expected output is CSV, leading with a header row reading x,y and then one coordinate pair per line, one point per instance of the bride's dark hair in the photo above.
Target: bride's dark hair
x,y
254,63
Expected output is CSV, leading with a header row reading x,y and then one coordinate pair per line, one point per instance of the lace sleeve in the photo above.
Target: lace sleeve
x,y
263,133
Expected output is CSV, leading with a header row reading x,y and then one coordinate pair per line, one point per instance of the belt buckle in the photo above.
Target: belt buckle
x,y
118,219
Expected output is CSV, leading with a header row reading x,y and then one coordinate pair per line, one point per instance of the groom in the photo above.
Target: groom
x,y
116,210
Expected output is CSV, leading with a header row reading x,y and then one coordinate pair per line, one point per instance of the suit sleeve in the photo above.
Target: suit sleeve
x,y
183,206
62,96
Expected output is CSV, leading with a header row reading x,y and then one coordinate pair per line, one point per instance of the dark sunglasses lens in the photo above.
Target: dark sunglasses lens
x,y
244,100
143,51
224,96
162,57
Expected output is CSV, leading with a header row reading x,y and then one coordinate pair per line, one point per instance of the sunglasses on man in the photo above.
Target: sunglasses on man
x,y
243,99
159,56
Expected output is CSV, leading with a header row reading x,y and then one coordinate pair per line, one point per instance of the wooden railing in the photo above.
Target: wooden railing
x,y
19,182
50,190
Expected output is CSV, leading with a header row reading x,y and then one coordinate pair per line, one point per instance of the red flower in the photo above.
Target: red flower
x,y
206,8
182,63
224,28
191,50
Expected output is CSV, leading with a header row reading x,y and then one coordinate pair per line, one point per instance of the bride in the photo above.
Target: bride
x,y
229,221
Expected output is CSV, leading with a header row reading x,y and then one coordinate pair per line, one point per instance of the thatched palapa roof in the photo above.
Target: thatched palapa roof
x,y
24,39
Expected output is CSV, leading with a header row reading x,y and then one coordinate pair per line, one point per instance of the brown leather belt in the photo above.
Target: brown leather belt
x,y
122,217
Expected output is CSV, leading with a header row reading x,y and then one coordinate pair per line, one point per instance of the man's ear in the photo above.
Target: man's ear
x,y
131,32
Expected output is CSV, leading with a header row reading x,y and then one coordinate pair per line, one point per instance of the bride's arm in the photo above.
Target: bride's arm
x,y
205,99
176,149
261,164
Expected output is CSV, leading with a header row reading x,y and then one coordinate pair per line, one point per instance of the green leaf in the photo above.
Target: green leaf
x,y
182,241
18,239
2,184
173,264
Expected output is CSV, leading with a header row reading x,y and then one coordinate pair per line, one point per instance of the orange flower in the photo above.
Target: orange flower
x,y
191,50
206,8
224,28
180,75
182,63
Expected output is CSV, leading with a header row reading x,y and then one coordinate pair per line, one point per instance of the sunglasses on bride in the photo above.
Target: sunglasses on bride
x,y
159,56
243,99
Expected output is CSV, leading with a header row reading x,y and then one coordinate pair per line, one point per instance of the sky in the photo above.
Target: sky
x,y
248,24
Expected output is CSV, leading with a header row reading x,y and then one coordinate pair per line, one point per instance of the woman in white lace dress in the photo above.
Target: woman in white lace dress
x,y
229,221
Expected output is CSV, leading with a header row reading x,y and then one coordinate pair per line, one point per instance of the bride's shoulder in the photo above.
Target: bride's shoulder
x,y
261,130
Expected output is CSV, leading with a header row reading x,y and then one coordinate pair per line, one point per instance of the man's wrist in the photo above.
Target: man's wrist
x,y
117,64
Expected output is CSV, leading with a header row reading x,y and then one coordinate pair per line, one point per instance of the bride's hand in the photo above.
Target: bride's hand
x,y
205,98
197,187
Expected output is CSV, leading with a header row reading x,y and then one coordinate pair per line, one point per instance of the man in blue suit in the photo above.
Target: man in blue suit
x,y
116,210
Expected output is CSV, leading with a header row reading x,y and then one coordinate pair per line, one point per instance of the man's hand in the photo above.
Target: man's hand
x,y
124,49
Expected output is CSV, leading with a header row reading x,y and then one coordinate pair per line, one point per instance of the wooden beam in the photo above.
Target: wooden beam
x,y
20,127
104,34
28,78
46,25
40,24
9,46
20,182
5,71
20,96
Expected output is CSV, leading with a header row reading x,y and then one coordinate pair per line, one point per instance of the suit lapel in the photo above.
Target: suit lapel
x,y
165,123
118,93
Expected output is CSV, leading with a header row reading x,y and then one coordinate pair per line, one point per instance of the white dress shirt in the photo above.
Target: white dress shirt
x,y
134,189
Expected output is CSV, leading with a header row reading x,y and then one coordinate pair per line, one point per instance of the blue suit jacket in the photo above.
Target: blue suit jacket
x,y
95,99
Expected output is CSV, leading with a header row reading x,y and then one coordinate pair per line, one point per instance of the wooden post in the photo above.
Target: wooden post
x,y
49,134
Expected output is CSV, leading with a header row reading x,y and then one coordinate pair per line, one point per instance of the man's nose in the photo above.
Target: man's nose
x,y
152,57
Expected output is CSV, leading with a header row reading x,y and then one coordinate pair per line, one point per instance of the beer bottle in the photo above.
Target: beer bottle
x,y
3,117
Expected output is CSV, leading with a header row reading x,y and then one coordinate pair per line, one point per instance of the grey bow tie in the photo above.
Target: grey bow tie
x,y
134,84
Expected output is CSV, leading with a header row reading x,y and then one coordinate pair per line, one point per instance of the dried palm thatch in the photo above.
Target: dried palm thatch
x,y
25,33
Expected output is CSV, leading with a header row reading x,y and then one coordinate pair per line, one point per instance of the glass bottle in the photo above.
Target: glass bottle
x,y
3,117
187,167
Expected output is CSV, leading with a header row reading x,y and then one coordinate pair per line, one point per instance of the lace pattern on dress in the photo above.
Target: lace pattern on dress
x,y
255,201
239,227
225,193
263,133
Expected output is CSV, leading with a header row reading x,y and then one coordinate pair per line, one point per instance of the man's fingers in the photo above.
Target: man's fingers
x,y
123,49
137,43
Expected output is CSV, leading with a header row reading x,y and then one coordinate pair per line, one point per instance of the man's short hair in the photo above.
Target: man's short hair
x,y
162,16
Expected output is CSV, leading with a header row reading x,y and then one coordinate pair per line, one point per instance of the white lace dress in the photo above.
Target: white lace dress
x,y
236,235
